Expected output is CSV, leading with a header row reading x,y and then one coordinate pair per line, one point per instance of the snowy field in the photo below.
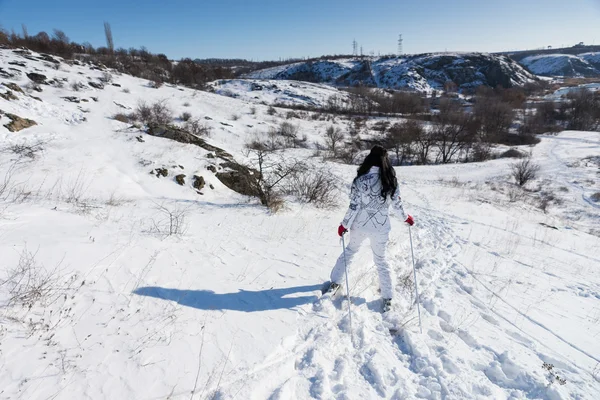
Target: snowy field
x,y
227,310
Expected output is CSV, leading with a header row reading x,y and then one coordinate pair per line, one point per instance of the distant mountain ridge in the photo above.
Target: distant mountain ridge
x,y
423,73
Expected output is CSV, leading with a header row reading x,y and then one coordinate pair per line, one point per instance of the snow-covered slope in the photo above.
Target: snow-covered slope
x,y
422,72
227,310
278,92
586,65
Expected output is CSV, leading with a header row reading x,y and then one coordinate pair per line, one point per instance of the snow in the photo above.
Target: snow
x,y
275,92
422,73
561,64
228,309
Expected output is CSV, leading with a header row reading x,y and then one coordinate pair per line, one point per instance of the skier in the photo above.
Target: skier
x,y
373,190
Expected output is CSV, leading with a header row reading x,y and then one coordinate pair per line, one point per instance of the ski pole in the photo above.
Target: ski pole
x,y
415,272
347,289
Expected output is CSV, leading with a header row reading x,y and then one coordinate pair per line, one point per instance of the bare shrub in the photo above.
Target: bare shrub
x,y
544,119
272,171
186,104
186,116
546,198
122,117
77,86
289,133
317,187
349,152
126,90
157,113
28,283
77,188
333,139
26,150
169,220
512,153
401,137
515,194
155,83
582,111
195,127
106,77
32,87
450,130
524,171
271,110
235,117
252,110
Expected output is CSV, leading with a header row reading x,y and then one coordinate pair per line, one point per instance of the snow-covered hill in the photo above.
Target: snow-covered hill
x,y
278,92
226,309
422,73
581,65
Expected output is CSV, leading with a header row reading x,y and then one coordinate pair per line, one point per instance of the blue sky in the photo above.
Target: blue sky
x,y
268,29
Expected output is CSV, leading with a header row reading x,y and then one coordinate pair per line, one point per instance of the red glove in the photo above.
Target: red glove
x,y
410,221
342,230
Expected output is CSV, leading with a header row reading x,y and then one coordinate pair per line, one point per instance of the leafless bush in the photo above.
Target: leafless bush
x,y
546,198
126,90
106,77
235,117
29,283
155,83
252,110
316,187
26,150
333,139
186,104
272,172
185,116
512,153
515,194
271,110
122,117
524,171
582,111
157,113
195,127
32,87
77,86
169,221
77,188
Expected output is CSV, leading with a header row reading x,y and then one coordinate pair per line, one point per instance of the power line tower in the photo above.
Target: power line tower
x,y
400,42
354,47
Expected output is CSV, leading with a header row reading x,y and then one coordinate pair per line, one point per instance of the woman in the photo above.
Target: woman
x,y
373,190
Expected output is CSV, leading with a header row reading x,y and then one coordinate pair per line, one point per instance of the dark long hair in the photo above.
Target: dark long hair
x,y
378,157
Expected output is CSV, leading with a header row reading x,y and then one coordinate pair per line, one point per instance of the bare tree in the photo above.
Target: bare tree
x,y
582,111
25,33
333,137
109,37
423,144
60,36
272,171
524,171
401,137
450,130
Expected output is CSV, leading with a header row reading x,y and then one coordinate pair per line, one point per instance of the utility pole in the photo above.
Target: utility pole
x,y
400,42
354,47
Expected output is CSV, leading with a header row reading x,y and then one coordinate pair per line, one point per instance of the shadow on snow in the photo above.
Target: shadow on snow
x,y
244,300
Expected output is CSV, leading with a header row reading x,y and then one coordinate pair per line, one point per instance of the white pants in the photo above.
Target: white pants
x,y
378,241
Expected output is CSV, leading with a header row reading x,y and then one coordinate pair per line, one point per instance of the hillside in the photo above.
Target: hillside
x,y
121,280
277,92
423,73
580,65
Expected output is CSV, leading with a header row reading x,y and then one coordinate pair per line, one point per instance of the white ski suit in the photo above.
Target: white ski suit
x,y
368,218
